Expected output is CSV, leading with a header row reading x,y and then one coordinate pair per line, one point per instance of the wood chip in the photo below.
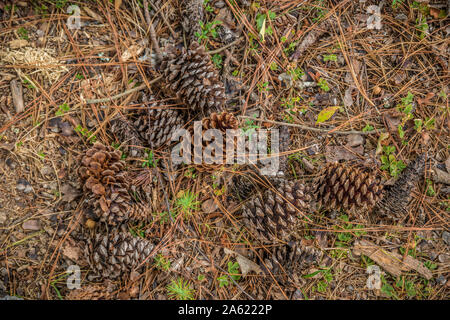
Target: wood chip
x,y
17,95
392,262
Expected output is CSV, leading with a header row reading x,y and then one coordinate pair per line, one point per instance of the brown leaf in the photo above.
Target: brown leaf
x,y
209,206
117,4
336,153
245,264
72,252
69,193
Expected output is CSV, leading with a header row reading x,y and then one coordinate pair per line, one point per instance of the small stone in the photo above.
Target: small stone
x,y
446,237
441,280
66,129
444,258
2,217
11,163
354,140
46,170
33,225
219,4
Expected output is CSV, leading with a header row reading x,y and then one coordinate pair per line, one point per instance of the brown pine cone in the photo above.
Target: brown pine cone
x,y
193,78
397,197
289,259
106,183
193,13
222,121
274,215
116,255
156,124
343,186
90,292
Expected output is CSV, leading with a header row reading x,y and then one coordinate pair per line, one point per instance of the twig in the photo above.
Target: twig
x,y
142,86
152,30
224,47
301,126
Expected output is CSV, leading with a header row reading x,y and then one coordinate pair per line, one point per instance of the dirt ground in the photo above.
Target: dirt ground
x,y
347,92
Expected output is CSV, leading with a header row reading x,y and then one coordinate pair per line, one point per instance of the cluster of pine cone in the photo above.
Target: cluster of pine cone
x,y
271,216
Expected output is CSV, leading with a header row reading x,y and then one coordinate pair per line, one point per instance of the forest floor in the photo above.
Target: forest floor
x,y
314,65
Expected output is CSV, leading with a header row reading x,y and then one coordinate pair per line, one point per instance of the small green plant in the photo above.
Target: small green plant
x,y
322,285
387,289
396,3
296,73
207,7
28,84
187,203
390,163
164,217
249,127
233,272
344,239
150,161
217,60
263,86
329,57
430,188
62,109
323,84
79,76
86,133
190,173
422,26
23,33
180,290
60,4
208,29
367,128
162,263
262,26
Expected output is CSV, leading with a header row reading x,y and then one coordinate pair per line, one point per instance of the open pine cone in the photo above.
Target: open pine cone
x,y
156,124
274,215
192,14
106,183
193,78
395,202
342,186
289,259
116,255
222,121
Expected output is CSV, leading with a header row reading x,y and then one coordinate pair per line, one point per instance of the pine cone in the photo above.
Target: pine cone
x,y
397,197
222,121
192,77
342,186
274,215
289,259
192,14
106,183
127,136
116,255
157,125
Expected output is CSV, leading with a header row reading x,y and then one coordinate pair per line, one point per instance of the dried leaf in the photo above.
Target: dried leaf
x,y
69,193
133,51
117,4
72,252
245,264
326,114
209,206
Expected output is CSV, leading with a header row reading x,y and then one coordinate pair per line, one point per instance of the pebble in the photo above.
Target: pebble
x,y
24,185
446,237
444,258
31,225
441,280
11,163
2,217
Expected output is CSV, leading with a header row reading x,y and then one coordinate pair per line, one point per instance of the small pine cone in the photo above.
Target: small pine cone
x,y
193,78
222,121
90,292
116,255
290,259
192,14
396,198
242,186
274,215
157,125
127,136
106,183
341,186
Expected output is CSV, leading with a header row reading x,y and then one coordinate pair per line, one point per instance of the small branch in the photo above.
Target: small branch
x,y
138,88
224,47
152,30
301,126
